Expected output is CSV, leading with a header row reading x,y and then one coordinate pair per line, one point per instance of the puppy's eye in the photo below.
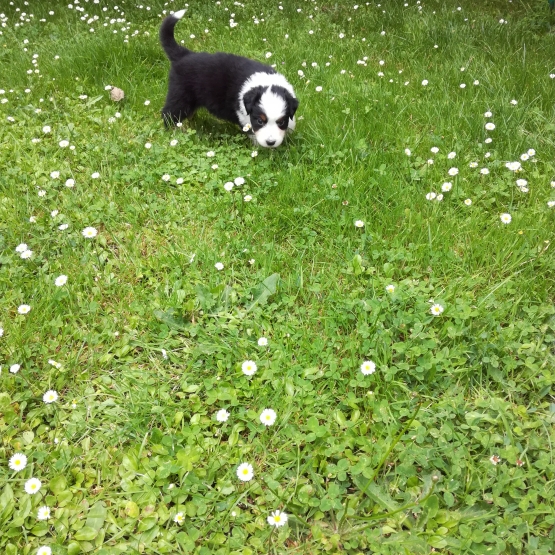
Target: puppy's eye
x,y
260,121
281,122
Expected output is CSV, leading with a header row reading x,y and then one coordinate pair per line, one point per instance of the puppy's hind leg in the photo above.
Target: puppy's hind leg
x,y
172,114
177,108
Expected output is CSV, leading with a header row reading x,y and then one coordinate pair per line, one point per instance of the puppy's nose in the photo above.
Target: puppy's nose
x,y
270,142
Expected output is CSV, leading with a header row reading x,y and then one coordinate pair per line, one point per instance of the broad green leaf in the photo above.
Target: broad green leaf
x,y
96,516
58,484
86,534
264,290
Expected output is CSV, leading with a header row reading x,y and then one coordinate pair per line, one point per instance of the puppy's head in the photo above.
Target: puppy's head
x,y
270,110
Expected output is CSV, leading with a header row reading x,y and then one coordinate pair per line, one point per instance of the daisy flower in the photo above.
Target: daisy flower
x,y
222,415
468,202
228,186
60,280
32,486
50,396
407,151
26,254
453,171
179,518
14,368
24,309
43,513
21,248
359,223
506,218
390,288
89,232
451,155
368,367
513,166
245,472
18,462
44,550
249,367
219,266
431,196
95,175
268,417
239,181
490,126
436,309
263,342
277,519
446,187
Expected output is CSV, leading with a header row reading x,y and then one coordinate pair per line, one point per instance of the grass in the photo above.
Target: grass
x,y
144,343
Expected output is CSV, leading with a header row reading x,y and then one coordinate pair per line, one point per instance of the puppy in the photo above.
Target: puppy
x,y
230,87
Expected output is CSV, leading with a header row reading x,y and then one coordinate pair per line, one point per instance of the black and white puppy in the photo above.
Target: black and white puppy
x,y
231,87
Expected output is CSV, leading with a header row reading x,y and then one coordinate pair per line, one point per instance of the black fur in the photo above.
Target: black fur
x,y
199,79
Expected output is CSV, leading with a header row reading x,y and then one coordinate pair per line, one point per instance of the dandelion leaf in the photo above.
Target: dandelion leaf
x,y
264,290
171,318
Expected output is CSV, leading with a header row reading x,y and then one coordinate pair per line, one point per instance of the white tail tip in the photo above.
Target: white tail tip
x,y
179,14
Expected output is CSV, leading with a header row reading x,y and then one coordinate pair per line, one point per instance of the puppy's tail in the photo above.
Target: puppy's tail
x,y
173,50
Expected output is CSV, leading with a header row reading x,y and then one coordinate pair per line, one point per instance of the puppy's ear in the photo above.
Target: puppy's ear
x,y
292,105
251,98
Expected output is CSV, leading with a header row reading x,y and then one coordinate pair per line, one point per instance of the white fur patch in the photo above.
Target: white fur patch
x,y
261,79
273,105
179,14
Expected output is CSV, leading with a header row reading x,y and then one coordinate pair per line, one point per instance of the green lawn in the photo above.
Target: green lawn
x,y
338,249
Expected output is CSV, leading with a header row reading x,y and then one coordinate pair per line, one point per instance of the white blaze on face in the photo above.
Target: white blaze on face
x,y
275,107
